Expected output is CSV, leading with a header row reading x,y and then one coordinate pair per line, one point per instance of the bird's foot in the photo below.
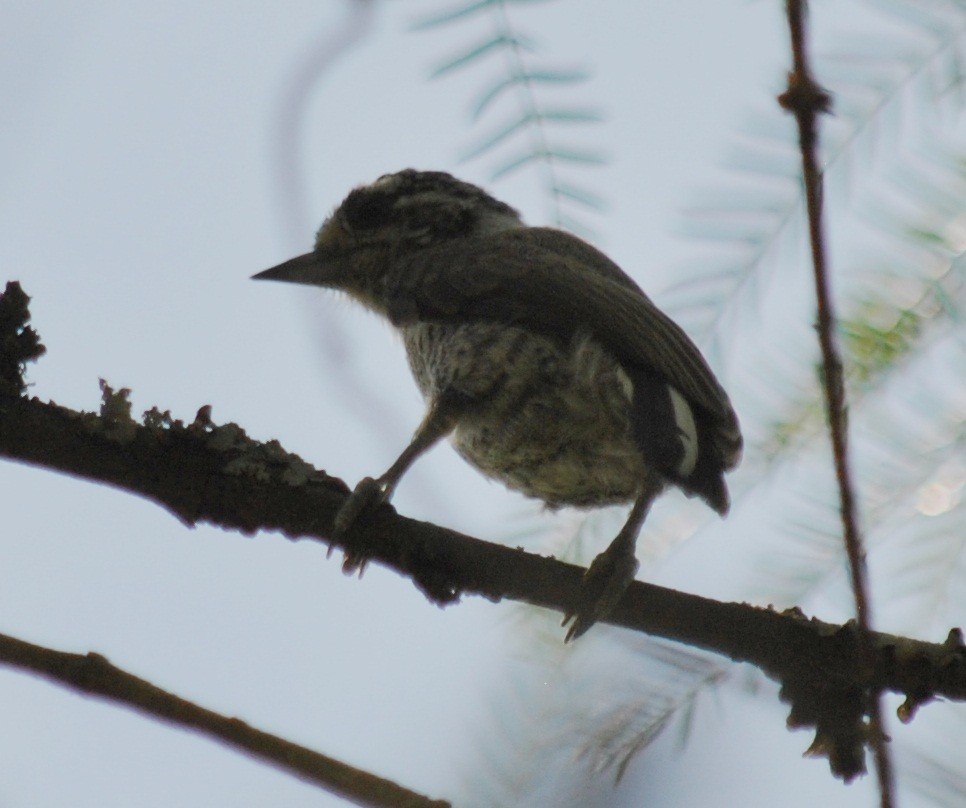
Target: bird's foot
x,y
368,495
604,582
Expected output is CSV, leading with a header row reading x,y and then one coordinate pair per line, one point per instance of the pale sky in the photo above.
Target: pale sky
x,y
141,188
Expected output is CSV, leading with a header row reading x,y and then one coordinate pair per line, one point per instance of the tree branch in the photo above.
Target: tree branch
x,y
93,674
806,99
202,472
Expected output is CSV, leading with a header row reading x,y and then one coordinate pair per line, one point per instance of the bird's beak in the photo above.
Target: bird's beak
x,y
302,269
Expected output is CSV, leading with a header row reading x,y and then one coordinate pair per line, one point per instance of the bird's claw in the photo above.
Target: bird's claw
x,y
605,581
368,495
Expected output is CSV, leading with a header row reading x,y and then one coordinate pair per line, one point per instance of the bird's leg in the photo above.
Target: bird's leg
x,y
370,493
611,572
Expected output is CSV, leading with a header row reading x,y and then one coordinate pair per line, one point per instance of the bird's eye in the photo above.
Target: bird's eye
x,y
364,210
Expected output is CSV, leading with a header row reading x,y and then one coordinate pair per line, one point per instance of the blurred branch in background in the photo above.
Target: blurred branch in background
x,y
528,135
891,95
296,100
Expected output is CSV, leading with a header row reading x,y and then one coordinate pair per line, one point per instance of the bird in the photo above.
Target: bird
x,y
544,363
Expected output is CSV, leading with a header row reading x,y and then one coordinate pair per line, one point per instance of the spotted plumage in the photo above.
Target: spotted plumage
x,y
543,361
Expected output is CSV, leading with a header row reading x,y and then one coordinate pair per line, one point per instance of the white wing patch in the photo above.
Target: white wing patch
x,y
687,432
625,382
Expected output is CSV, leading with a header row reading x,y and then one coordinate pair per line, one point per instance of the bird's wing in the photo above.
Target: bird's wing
x,y
552,282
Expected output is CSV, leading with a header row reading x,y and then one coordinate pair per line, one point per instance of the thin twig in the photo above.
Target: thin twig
x,y
531,110
806,99
94,675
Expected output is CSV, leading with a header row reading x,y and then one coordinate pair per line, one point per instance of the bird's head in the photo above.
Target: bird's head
x,y
396,215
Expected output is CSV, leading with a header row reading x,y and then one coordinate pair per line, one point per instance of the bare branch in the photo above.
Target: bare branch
x,y
202,472
94,675
806,100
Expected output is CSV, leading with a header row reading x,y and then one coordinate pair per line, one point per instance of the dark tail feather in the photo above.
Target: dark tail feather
x,y
708,484
659,437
